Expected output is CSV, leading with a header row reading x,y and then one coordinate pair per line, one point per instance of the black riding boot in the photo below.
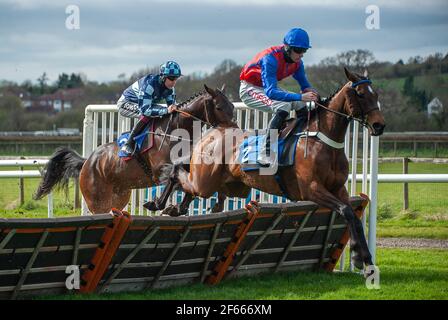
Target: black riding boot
x,y
129,146
265,159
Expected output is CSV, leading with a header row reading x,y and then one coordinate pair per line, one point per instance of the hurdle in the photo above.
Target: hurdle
x,y
119,252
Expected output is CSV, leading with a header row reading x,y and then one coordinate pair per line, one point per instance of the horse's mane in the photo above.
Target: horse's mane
x,y
325,101
194,96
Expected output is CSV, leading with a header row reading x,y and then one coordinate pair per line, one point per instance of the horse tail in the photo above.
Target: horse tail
x,y
64,164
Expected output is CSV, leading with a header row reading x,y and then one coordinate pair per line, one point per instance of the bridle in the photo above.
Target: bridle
x,y
350,117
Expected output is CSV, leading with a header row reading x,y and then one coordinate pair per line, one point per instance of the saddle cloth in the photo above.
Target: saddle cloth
x,y
285,147
143,142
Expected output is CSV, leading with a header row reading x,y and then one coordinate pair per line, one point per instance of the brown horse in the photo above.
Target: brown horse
x,y
318,177
106,180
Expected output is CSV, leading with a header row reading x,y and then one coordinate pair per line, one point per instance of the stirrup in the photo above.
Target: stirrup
x,y
128,150
266,161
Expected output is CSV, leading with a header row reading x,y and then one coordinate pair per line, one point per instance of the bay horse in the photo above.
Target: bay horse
x,y
106,180
318,177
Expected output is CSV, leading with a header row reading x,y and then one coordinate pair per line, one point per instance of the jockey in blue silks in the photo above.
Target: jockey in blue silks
x,y
142,97
259,78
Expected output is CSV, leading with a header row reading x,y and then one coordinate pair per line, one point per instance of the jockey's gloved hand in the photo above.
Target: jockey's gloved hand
x,y
309,96
312,90
172,108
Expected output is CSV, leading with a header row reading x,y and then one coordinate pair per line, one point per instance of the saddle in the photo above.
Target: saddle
x,y
143,142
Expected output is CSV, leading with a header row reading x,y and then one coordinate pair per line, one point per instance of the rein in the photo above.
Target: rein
x,y
189,115
185,114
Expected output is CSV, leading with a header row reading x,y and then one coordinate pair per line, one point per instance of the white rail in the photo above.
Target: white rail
x,y
27,174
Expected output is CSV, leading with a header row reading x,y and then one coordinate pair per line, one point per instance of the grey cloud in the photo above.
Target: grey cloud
x,y
117,38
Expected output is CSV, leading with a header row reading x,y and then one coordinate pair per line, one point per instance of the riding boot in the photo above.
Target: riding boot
x,y
265,156
129,146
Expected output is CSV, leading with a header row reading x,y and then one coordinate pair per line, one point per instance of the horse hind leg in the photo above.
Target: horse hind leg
x,y
120,198
219,205
99,202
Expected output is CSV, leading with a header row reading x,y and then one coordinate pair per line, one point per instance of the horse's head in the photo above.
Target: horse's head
x,y
361,101
218,107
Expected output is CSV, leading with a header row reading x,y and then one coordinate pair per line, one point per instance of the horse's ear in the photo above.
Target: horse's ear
x,y
350,76
366,73
223,88
210,91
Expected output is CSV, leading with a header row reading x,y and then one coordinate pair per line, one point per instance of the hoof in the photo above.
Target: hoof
x,y
172,211
216,208
151,206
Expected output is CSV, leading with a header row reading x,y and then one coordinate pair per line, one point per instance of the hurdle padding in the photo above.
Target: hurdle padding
x,y
290,237
105,251
163,251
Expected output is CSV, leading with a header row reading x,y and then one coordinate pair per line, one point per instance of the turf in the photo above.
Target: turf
x,y
405,274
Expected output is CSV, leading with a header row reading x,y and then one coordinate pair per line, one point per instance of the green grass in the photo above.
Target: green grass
x,y
436,84
408,274
11,208
427,216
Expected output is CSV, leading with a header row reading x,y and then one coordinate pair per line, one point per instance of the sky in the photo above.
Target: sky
x,y
116,37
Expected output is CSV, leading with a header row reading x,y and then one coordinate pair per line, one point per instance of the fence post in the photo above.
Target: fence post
x,y
77,203
21,187
405,185
373,194
87,147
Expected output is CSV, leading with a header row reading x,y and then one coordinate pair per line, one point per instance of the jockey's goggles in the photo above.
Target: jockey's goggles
x,y
299,50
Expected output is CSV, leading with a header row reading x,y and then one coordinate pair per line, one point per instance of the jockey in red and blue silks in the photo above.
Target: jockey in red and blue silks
x,y
270,66
259,82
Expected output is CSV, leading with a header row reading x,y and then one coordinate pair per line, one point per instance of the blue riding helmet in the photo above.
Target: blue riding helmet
x,y
297,37
170,69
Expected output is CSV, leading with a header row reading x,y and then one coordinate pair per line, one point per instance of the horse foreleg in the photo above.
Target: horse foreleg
x,y
160,202
358,242
362,253
180,209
